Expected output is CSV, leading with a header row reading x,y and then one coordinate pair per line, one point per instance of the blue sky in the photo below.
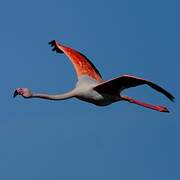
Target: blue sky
x,y
72,139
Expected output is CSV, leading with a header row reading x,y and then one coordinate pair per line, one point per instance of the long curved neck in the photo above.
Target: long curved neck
x,y
54,97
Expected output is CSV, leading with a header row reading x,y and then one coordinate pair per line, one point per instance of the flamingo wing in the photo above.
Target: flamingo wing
x,y
82,65
127,81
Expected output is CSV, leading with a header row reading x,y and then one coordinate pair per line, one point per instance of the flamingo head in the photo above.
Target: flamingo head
x,y
24,92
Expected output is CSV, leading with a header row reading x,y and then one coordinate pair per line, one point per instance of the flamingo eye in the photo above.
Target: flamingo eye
x,y
20,91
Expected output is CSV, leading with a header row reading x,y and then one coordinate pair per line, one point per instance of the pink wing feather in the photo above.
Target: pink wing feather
x,y
82,65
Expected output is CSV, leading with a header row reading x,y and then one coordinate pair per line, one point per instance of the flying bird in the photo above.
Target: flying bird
x,y
90,86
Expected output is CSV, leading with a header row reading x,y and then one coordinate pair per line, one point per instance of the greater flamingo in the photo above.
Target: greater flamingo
x,y
92,88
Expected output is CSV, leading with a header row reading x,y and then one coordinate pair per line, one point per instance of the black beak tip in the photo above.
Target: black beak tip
x,y
15,94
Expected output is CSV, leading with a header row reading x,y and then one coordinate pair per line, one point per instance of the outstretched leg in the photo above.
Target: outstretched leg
x,y
150,106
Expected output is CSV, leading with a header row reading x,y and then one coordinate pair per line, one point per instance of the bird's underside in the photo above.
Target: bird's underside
x,y
92,88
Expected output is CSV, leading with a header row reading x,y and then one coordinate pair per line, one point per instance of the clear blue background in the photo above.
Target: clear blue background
x,y
72,139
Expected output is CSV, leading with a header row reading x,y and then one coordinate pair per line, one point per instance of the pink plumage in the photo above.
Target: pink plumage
x,y
92,88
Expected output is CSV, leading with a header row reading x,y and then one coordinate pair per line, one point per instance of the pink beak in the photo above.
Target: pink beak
x,y
15,93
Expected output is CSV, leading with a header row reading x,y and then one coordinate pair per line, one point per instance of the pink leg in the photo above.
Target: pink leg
x,y
150,106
